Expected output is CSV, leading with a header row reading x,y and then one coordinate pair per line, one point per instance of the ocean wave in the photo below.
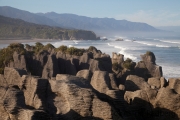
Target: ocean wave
x,y
144,43
76,42
70,46
122,51
170,42
162,46
128,40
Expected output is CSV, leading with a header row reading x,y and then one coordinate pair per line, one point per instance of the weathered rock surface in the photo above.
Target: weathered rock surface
x,y
37,62
174,83
86,74
134,83
113,81
94,93
74,98
100,81
13,76
117,58
149,61
19,61
2,80
154,82
51,68
163,82
35,89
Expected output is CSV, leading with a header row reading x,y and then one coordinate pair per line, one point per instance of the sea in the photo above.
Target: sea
x,y
166,49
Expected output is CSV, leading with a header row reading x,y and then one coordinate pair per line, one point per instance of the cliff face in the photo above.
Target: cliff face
x,y
71,87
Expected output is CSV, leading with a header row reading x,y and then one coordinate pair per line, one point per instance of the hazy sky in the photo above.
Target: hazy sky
x,y
153,12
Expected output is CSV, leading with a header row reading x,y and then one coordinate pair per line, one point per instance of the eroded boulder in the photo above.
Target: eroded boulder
x,y
149,61
35,91
51,68
154,82
100,81
174,83
86,74
13,76
134,83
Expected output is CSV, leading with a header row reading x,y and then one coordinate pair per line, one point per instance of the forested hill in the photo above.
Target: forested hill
x,y
16,28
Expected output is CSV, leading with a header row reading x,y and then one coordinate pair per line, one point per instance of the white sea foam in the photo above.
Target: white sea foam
x,y
162,46
70,46
75,41
170,41
122,51
128,40
144,43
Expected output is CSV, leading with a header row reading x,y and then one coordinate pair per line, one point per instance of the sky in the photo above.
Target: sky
x,y
153,12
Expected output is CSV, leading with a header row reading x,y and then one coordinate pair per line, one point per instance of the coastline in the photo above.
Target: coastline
x,y
5,41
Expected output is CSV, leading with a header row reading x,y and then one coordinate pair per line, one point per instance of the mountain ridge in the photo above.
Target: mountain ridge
x,y
76,21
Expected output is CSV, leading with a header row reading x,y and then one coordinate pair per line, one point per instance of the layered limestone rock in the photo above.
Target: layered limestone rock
x,y
149,61
70,87
117,58
100,81
73,98
134,83
14,76
86,74
51,68
154,82
35,89
19,61
36,63
174,83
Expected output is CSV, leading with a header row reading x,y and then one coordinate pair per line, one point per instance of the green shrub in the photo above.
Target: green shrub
x,y
115,66
38,47
7,54
129,64
48,46
62,48
75,51
91,48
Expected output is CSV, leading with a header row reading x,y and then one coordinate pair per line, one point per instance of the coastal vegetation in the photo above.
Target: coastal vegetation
x,y
6,54
19,29
28,50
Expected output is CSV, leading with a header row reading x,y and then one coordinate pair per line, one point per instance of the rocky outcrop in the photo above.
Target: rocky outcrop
x,y
51,68
86,74
174,83
134,83
37,62
71,87
35,89
79,35
154,82
14,76
149,61
75,99
19,61
117,58
100,81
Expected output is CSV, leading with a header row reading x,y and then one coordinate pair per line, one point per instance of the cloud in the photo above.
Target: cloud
x,y
154,18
